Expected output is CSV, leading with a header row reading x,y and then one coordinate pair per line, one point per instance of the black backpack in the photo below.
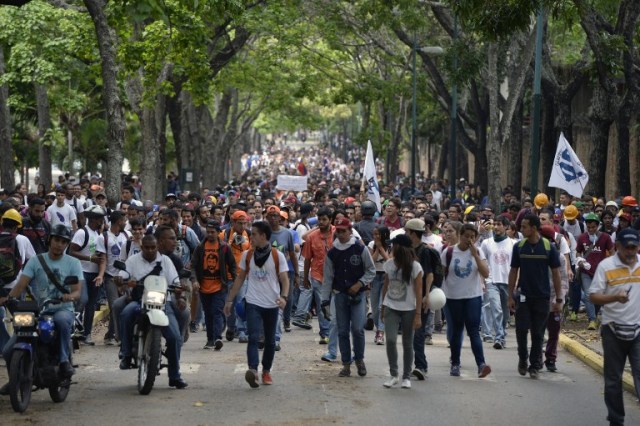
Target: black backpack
x,y
10,258
434,262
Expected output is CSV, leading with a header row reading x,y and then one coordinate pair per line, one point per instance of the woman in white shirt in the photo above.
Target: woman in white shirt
x,y
402,299
465,267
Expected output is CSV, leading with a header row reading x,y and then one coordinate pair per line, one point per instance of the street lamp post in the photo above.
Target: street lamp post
x,y
454,120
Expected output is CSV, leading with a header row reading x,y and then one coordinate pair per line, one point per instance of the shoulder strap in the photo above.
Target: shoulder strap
x,y
128,247
276,260
227,234
248,261
86,238
105,235
448,257
50,274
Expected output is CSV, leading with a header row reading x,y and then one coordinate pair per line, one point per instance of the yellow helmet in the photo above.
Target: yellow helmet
x,y
571,212
12,214
541,201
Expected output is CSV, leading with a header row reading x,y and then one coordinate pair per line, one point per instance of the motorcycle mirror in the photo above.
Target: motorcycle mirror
x,y
71,280
119,264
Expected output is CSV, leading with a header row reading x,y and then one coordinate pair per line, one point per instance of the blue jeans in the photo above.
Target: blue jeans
x,y
304,302
63,321
616,352
241,324
171,334
376,299
257,318
590,308
531,315
465,313
4,336
286,315
498,298
213,306
92,299
350,316
486,324
418,338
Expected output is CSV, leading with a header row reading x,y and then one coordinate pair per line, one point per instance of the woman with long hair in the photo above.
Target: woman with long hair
x,y
380,252
402,300
465,267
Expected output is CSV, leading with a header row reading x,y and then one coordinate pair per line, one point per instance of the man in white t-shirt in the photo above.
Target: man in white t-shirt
x,y
87,245
497,250
62,213
267,291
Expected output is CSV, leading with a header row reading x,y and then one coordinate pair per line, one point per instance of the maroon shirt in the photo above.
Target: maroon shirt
x,y
594,253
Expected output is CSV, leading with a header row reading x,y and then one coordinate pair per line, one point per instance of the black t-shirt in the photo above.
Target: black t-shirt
x,y
534,261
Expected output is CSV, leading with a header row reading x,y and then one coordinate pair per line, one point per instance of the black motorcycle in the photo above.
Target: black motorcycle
x,y
35,355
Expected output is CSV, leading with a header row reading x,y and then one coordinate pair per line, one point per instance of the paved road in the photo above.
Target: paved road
x,y
309,391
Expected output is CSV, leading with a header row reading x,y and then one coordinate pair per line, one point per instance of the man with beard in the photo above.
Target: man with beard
x,y
34,227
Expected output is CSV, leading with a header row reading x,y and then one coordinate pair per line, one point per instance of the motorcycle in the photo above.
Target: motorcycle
x,y
146,346
35,355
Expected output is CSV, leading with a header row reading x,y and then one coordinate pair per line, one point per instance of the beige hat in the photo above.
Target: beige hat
x,y
415,225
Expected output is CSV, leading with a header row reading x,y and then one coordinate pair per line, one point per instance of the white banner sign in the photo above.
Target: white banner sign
x,y
293,183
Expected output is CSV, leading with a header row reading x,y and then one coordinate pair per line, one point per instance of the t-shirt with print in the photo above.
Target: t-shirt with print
x,y
401,295
463,280
94,246
498,255
43,289
594,249
211,282
283,241
263,286
116,244
61,215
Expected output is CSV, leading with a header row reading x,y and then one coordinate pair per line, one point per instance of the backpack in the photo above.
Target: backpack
x,y
84,243
448,258
10,258
545,242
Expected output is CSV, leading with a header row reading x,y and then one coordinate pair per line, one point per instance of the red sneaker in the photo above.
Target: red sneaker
x,y
266,378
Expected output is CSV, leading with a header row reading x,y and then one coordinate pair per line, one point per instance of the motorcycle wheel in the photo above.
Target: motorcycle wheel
x,y
149,360
20,380
59,393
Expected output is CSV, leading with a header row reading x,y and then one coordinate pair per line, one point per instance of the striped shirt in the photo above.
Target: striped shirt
x,y
612,276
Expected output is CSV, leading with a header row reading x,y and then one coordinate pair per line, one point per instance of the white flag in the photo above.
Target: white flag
x,y
568,173
369,179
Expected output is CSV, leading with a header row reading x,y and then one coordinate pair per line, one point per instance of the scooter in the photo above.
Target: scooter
x,y
146,346
35,355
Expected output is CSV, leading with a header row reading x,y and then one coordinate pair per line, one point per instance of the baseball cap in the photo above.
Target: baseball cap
x,y
284,215
272,210
100,194
548,232
414,225
628,237
239,215
343,223
170,195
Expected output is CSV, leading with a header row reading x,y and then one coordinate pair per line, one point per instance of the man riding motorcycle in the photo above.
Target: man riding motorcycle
x,y
139,266
60,266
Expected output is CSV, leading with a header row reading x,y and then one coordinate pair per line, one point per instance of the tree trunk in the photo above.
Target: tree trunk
x,y
549,141
116,124
623,172
173,110
514,168
7,168
44,125
601,121
494,145
214,173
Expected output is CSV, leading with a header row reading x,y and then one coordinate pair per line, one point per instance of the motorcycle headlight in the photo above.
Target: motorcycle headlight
x,y
155,298
24,319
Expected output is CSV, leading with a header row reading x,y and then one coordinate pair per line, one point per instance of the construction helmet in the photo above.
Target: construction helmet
x,y
541,201
571,212
12,214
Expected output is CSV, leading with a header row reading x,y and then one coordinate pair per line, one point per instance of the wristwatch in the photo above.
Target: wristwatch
x,y
559,300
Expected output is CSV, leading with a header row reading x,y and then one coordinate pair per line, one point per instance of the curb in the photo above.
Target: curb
x,y
593,360
101,314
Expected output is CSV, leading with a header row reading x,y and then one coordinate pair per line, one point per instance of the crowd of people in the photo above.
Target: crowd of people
x,y
263,259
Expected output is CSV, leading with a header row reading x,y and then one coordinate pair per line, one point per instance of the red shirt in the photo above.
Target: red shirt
x,y
594,253
315,250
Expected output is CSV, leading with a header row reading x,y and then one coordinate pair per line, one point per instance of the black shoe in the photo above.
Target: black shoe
x,y
217,345
193,327
4,390
369,324
302,324
362,370
551,366
178,383
278,346
66,370
125,364
287,326
230,334
522,367
533,372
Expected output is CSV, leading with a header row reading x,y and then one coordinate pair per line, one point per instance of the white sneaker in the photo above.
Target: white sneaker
x,y
393,381
406,384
